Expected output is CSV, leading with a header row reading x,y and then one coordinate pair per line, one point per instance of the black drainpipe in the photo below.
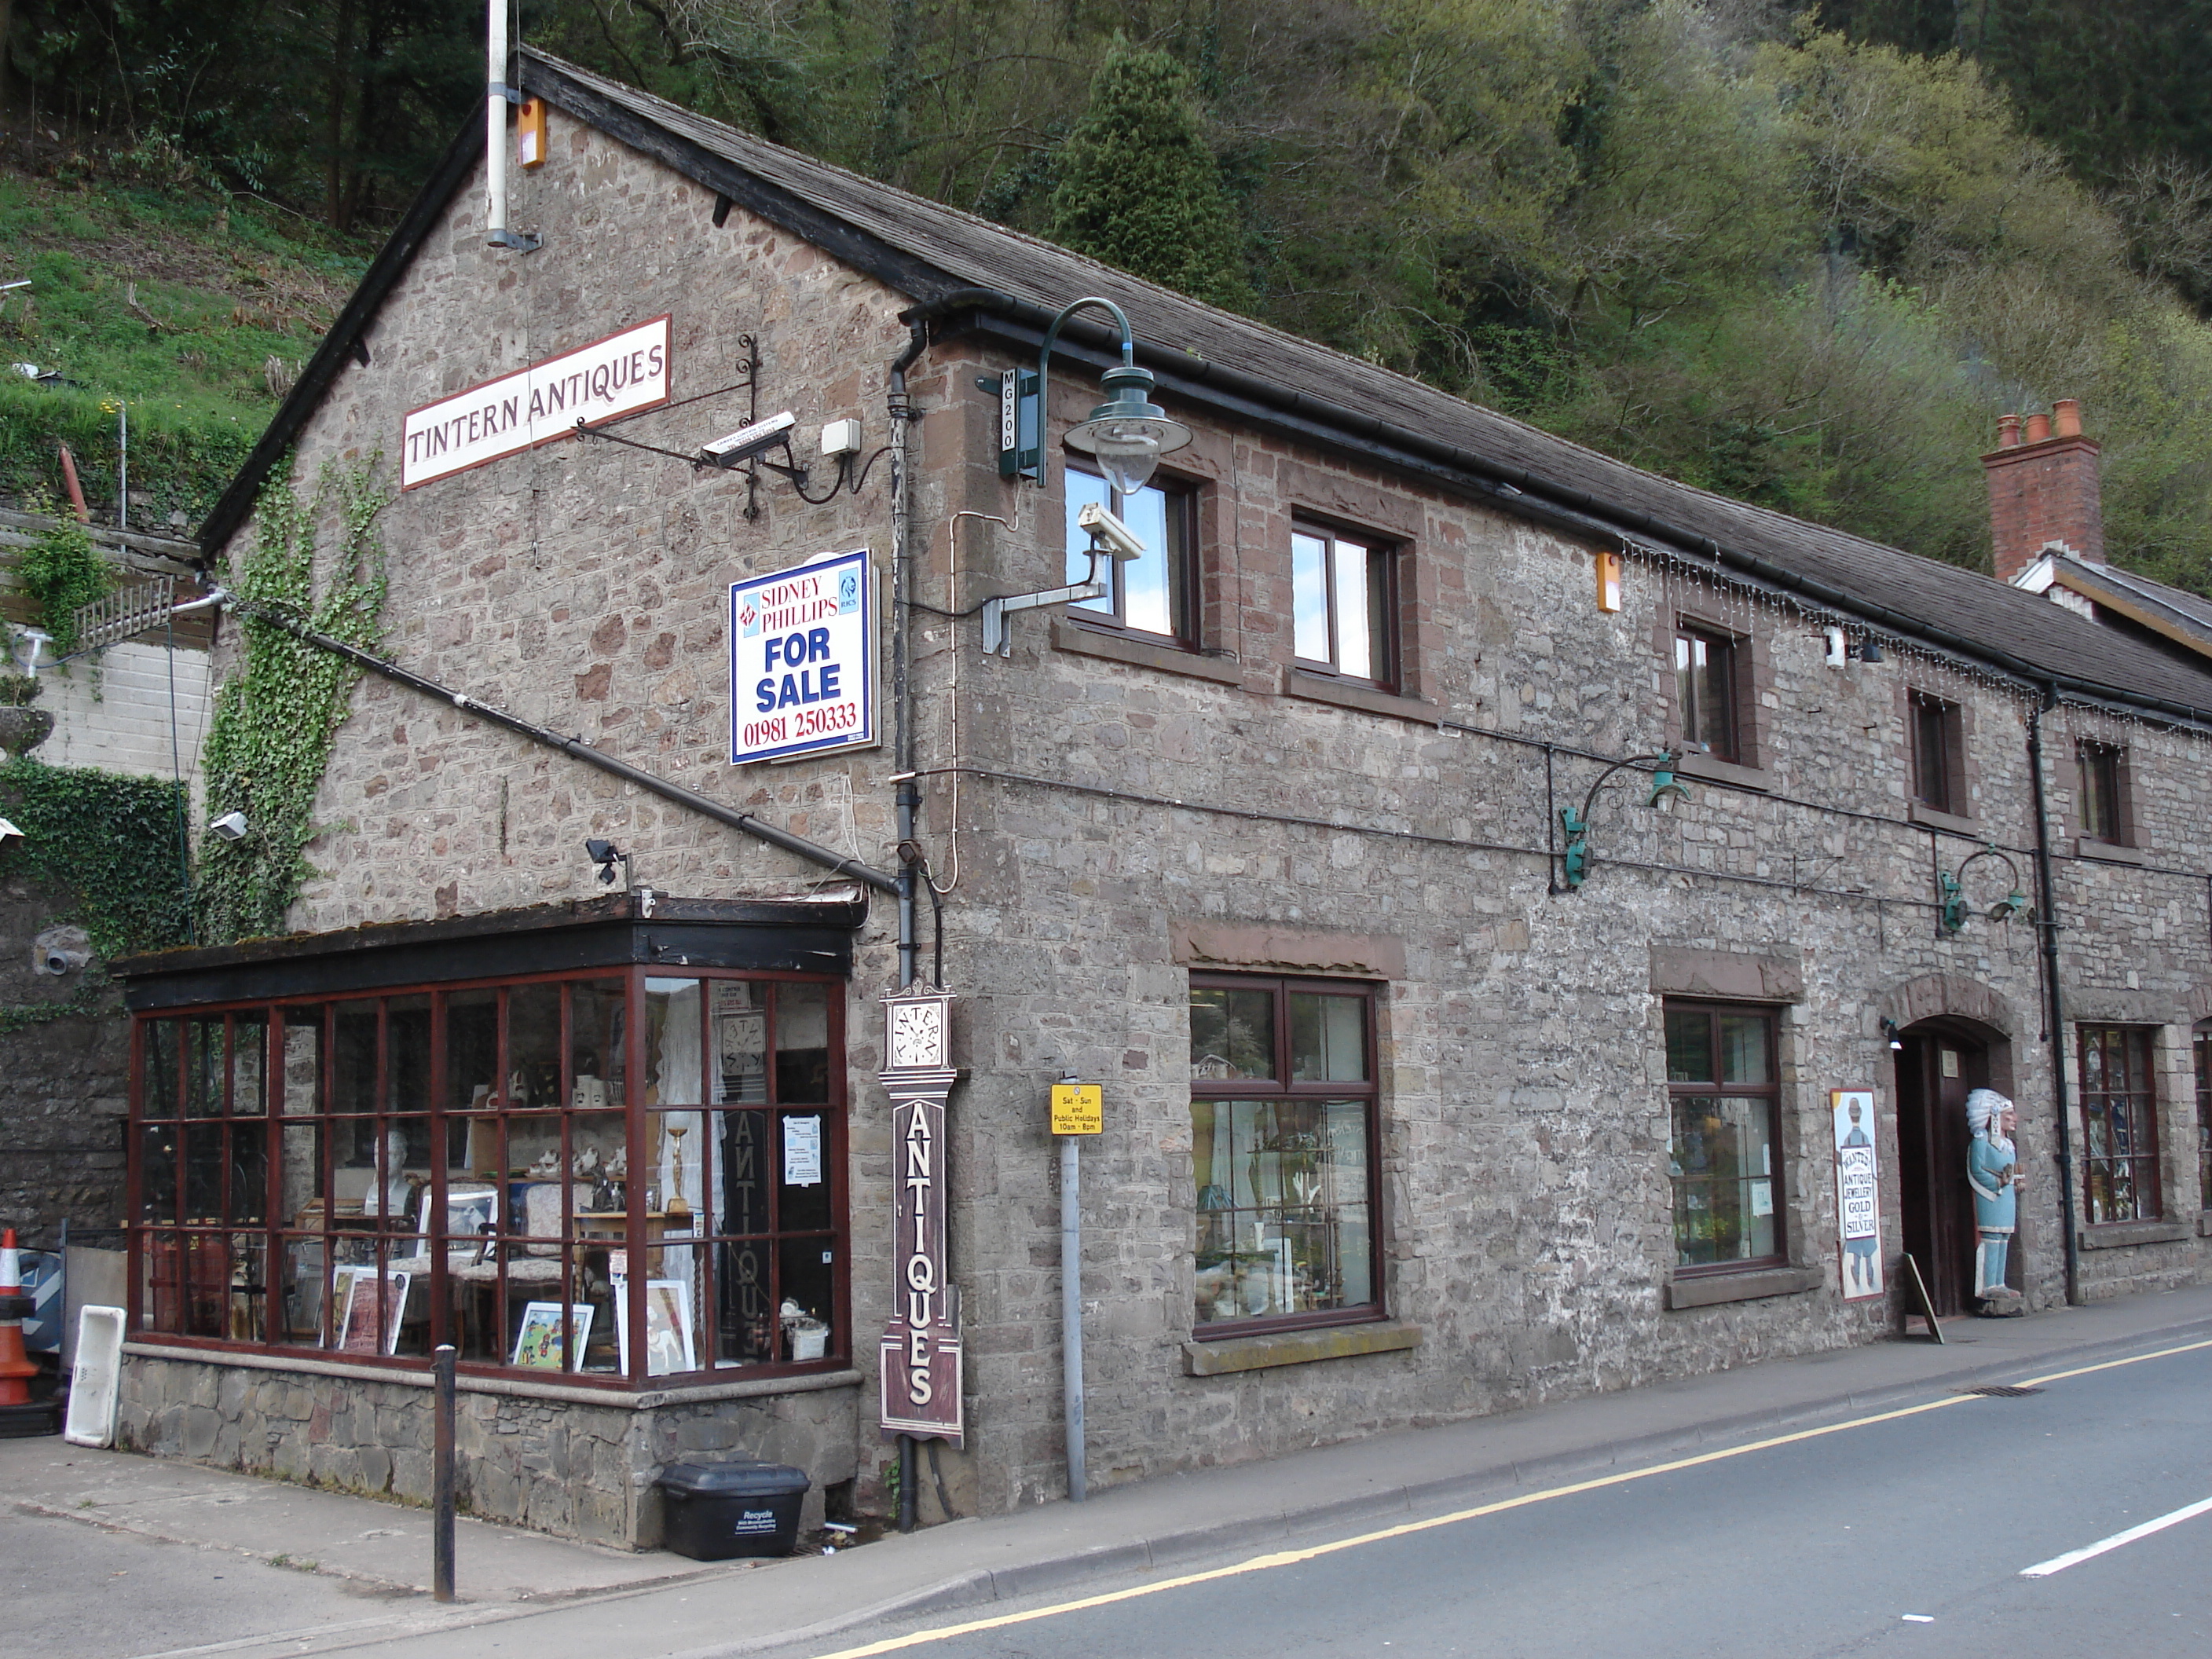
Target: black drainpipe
x,y
2047,926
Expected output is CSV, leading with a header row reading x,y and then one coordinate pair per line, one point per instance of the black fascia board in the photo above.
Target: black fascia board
x,y
347,340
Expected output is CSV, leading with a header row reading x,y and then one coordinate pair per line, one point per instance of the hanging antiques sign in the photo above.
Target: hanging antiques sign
x,y
920,1353
802,660
618,375
1858,1193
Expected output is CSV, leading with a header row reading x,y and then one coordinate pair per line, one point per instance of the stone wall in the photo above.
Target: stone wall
x,y
552,1458
1524,1121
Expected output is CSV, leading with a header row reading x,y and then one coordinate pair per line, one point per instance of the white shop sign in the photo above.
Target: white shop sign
x,y
618,375
1858,1193
802,659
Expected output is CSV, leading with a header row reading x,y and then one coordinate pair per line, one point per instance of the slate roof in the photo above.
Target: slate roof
x,y
934,253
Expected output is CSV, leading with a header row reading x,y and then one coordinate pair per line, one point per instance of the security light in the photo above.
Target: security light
x,y
606,855
231,826
8,832
748,442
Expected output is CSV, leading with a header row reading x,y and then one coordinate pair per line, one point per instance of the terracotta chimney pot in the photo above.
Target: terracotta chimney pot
x,y
2066,417
2007,431
2038,428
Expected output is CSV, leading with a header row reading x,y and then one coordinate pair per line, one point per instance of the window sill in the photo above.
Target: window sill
x,y
2121,1234
1694,765
1255,1353
1316,687
1753,1286
1921,812
614,1395
1142,653
2106,852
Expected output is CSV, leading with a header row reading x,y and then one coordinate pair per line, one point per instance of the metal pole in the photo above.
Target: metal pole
x,y
122,466
441,1513
1070,1309
495,124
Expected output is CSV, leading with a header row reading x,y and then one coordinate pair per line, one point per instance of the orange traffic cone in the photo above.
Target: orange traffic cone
x,y
16,1371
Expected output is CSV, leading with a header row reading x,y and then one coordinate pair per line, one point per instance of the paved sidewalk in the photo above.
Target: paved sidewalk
x,y
576,1599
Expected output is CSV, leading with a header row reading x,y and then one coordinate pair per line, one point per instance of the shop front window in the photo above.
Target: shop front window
x,y
503,1167
1282,1130
2120,1125
1724,1158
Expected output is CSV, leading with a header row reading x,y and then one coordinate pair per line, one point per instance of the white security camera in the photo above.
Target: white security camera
x,y
1119,539
231,826
8,832
748,442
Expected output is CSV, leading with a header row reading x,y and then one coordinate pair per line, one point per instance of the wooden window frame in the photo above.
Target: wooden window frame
x,y
1770,1092
1926,711
1688,632
2201,1044
1385,554
174,1258
2147,1198
1185,590
2120,829
1281,1087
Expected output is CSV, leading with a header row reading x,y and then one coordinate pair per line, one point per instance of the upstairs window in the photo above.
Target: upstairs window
x,y
1152,594
1343,598
2104,793
1705,670
1938,780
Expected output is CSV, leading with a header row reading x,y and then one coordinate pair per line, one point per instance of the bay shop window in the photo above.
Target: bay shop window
x,y
616,1174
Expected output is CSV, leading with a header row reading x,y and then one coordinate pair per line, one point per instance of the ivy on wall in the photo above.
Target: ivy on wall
x,y
61,570
110,841
279,710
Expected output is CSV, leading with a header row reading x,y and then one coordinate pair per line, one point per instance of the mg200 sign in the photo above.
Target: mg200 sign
x,y
618,375
802,660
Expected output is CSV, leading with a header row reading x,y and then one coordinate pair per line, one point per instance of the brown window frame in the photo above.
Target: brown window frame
x,y
1938,753
2108,821
1769,1091
2203,1046
1690,723
1386,646
201,1280
2140,1092
1111,614
1281,1086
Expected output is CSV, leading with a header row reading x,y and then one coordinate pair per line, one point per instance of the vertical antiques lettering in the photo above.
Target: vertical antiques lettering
x,y
920,1351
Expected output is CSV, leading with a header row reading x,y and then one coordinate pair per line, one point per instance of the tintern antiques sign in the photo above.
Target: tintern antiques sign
x,y
920,1371
618,375
1858,1193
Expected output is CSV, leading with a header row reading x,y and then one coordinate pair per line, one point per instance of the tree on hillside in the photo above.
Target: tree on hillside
x,y
1139,188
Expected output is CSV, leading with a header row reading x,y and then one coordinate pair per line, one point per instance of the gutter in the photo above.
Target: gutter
x,y
2046,926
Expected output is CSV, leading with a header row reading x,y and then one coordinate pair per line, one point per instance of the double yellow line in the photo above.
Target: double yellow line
x,y
1291,1558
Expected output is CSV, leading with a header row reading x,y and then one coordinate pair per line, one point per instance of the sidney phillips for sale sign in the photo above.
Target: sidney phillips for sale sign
x,y
803,659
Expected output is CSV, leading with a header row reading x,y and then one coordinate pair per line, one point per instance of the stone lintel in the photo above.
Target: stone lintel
x,y
1677,970
1253,1353
1754,1286
1285,949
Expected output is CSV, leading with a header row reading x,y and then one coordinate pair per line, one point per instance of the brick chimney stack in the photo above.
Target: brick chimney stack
x,y
2043,489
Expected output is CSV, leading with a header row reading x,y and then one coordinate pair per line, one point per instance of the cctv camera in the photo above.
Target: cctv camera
x,y
1120,540
8,832
748,442
231,826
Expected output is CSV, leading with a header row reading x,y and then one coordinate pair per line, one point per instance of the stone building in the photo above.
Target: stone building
x,y
1450,1059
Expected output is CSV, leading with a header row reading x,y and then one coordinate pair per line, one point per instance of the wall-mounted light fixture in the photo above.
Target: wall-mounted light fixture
x,y
1574,860
606,855
1126,435
1951,892
231,826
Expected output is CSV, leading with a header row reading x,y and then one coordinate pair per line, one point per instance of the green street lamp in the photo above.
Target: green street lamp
x,y
1126,435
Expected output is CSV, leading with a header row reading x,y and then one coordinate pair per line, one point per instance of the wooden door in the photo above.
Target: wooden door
x,y
1935,1070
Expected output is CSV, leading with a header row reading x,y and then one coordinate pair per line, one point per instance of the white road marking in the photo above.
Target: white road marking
x,y
2060,1562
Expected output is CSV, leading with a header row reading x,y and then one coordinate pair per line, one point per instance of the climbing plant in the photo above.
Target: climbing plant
x,y
108,841
278,712
60,570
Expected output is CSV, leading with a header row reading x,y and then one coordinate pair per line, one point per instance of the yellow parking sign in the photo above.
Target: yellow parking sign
x,y
1078,1109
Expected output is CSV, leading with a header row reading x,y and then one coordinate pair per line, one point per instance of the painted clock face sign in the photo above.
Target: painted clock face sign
x,y
917,1035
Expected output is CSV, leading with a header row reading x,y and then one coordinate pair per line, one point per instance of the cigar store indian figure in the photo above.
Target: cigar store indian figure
x,y
1993,1171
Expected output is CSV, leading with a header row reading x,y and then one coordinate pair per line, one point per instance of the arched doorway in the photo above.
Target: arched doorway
x,y
1939,1061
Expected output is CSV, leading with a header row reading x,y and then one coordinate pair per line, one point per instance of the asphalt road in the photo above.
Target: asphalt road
x,y
1902,1536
